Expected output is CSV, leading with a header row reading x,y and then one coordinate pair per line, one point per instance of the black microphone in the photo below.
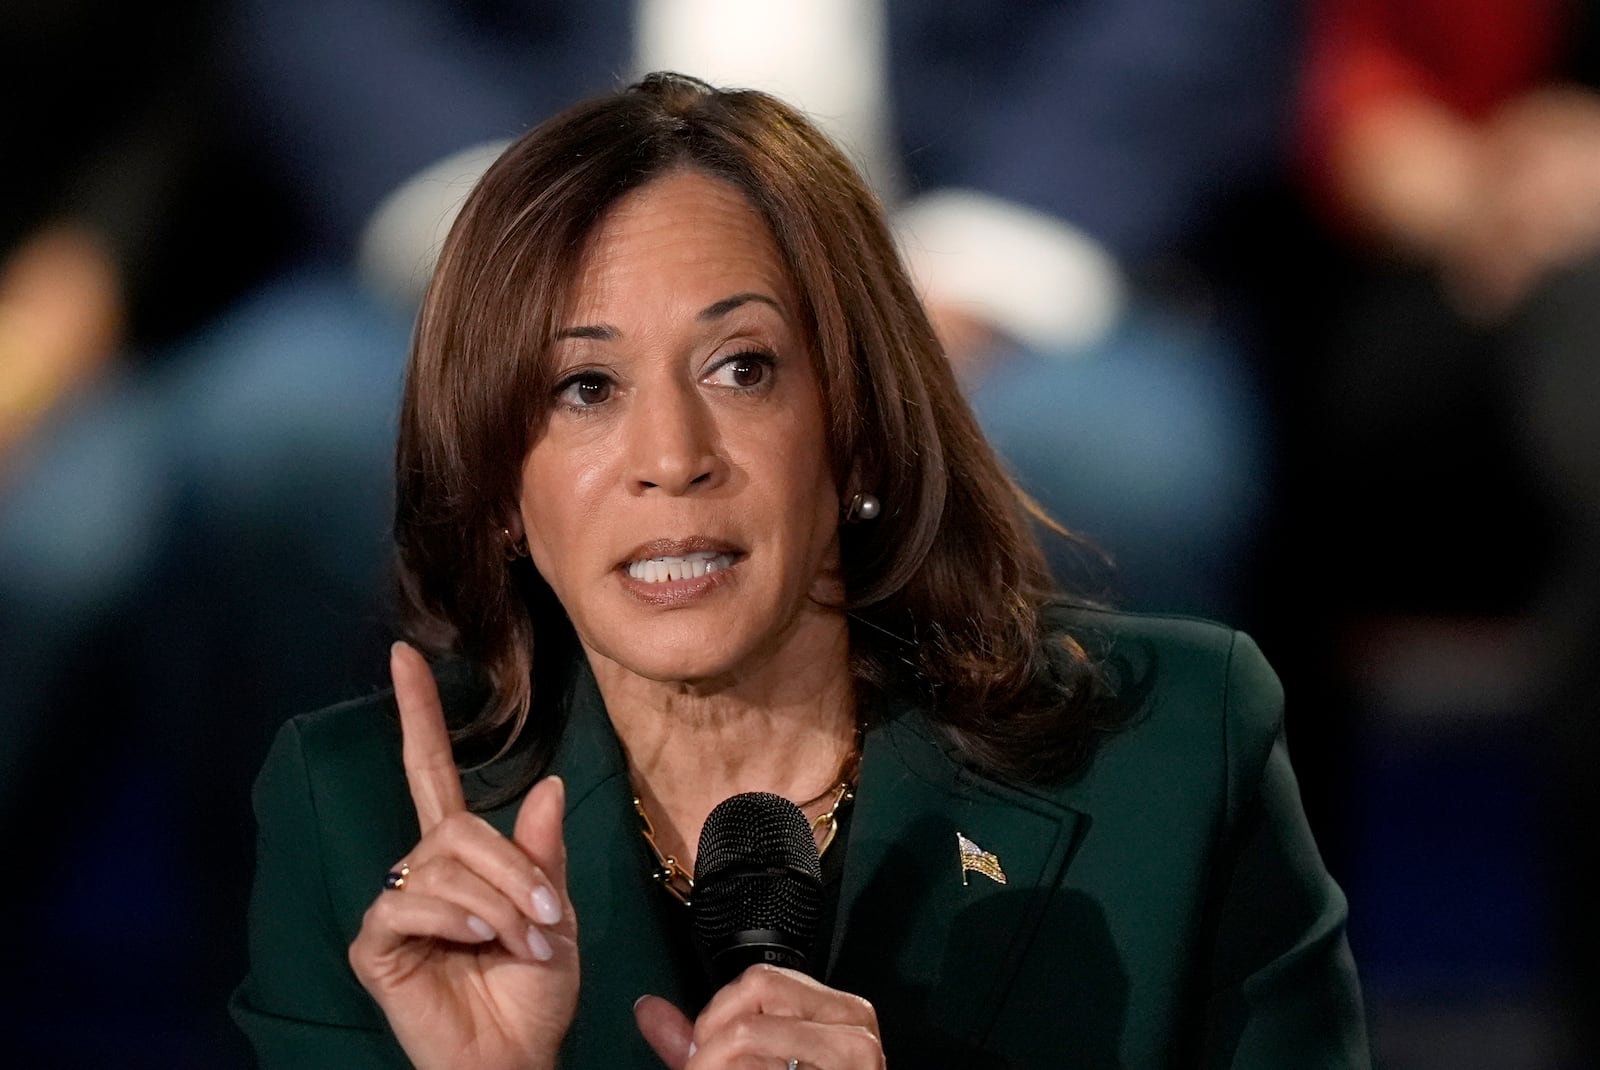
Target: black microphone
x,y
757,886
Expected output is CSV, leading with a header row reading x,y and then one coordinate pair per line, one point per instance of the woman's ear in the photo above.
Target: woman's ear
x,y
514,542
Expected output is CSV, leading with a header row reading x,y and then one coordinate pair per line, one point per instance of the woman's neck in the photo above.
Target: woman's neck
x,y
787,726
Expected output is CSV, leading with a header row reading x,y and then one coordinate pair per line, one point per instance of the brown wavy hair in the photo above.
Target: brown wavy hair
x,y
944,590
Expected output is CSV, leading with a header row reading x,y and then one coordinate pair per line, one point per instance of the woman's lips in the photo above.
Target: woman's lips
x,y
673,572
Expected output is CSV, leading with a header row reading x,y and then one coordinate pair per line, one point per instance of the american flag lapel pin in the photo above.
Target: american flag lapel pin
x,y
975,859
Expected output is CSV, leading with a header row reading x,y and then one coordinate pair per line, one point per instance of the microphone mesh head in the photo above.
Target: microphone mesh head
x,y
756,869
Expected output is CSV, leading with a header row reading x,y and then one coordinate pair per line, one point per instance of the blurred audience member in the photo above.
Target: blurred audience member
x,y
83,238
1456,145
1448,134
127,215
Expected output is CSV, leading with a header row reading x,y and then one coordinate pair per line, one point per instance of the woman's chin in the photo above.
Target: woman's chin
x,y
705,654
699,669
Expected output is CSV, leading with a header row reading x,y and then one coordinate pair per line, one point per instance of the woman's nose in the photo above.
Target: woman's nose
x,y
673,442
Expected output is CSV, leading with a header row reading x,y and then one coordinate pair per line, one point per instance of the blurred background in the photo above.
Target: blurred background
x,y
1290,307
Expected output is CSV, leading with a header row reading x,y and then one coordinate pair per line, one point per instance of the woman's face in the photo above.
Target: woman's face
x,y
679,500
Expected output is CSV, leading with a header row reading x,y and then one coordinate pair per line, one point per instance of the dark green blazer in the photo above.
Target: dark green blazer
x,y
1165,907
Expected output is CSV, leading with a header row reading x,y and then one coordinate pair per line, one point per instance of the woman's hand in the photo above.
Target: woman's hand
x,y
766,1018
474,959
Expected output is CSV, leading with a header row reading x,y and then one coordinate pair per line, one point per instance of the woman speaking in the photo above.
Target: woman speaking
x,y
689,507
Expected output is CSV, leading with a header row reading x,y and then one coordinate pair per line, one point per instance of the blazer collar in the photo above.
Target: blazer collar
x,y
935,947
635,938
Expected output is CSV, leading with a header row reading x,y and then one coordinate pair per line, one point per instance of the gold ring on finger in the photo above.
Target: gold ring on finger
x,y
395,879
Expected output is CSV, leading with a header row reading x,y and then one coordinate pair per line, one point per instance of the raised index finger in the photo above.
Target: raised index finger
x,y
425,741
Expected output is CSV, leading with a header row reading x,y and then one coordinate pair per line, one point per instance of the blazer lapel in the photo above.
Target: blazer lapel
x,y
628,928
932,944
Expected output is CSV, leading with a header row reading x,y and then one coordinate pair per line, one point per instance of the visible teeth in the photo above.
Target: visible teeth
x,y
689,566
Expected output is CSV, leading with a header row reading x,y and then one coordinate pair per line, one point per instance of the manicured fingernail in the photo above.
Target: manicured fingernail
x,y
692,1049
539,945
546,907
480,928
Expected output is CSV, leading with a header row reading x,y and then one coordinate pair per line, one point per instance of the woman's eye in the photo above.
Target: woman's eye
x,y
582,391
745,371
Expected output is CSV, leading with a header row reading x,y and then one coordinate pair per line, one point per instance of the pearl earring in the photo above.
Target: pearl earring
x,y
862,507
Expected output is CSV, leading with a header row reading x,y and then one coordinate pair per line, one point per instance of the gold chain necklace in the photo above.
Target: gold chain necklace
x,y
676,878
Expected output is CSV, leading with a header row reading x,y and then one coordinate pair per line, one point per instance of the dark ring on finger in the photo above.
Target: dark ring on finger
x,y
395,879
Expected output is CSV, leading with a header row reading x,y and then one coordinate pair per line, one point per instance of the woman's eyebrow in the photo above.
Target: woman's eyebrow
x,y
598,332
728,304
605,332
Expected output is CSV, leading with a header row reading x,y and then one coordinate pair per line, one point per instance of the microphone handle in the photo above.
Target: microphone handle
x,y
752,946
